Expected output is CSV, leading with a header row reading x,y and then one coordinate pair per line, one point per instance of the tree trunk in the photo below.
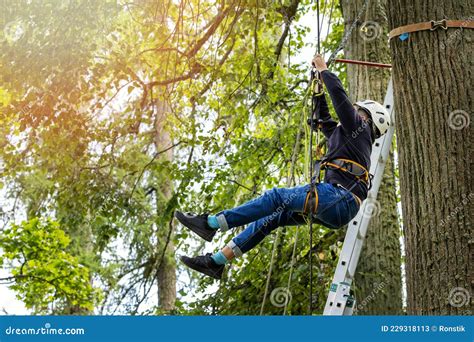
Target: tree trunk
x,y
166,272
378,281
432,73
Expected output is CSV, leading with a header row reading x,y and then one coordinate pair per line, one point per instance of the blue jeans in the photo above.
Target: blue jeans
x,y
284,207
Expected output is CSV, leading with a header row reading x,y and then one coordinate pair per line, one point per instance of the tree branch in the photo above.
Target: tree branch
x,y
289,13
195,69
151,162
215,24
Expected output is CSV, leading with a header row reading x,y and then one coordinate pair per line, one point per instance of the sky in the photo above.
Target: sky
x,y
8,302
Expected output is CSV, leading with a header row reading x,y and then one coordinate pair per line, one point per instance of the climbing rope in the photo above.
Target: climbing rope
x,y
314,82
366,70
330,17
293,257
311,189
347,34
316,88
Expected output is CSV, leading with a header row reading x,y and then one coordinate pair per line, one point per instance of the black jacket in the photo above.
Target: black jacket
x,y
351,139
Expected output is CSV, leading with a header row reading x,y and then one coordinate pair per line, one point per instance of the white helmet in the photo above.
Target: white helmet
x,y
380,116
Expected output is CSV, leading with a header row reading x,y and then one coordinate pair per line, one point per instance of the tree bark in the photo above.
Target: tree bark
x,y
166,272
378,279
432,73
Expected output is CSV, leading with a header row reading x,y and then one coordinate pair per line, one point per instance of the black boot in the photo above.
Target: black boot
x,y
204,264
197,223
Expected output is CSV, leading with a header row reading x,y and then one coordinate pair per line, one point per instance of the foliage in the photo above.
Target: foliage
x,y
46,277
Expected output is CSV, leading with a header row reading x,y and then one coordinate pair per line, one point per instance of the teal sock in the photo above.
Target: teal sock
x,y
212,222
219,258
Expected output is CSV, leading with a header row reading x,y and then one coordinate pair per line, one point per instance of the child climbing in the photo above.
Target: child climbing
x,y
334,202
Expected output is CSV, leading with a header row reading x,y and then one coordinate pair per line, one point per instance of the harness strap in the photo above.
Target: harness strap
x,y
349,166
311,202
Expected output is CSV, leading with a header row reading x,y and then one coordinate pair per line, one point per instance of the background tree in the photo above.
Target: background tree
x,y
378,280
431,71
44,135
166,268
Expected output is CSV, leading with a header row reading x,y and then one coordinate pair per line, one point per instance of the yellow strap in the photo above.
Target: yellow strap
x,y
316,201
353,162
366,173
306,201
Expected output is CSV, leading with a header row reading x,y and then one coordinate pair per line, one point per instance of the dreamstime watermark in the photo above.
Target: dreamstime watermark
x,y
456,34
14,31
459,119
280,297
26,109
46,330
360,129
372,208
464,202
458,297
279,210
377,288
370,30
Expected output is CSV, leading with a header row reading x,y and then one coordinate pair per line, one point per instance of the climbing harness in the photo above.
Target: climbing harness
x,y
432,25
345,165
351,167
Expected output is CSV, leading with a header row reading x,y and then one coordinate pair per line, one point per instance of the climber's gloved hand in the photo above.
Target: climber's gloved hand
x,y
318,63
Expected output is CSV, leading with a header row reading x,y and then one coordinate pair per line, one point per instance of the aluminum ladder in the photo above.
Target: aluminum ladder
x,y
340,301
